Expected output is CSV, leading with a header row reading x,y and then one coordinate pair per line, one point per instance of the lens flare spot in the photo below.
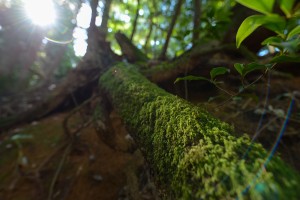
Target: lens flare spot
x,y
40,12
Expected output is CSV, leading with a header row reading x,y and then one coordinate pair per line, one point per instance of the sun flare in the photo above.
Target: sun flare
x,y
40,12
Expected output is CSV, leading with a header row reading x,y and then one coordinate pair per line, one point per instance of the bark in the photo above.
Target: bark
x,y
192,154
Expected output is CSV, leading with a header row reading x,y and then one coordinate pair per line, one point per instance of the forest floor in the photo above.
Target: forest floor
x,y
261,112
270,115
38,161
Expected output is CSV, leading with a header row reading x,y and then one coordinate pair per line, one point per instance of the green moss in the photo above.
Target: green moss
x,y
194,155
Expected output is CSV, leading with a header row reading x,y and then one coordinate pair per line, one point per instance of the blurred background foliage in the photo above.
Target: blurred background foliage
x,y
32,55
27,57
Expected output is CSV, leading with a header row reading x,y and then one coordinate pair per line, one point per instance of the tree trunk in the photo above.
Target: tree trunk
x,y
192,154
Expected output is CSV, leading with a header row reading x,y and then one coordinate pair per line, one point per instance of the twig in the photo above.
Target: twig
x,y
66,152
77,109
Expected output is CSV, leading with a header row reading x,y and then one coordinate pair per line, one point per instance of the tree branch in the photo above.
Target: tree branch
x,y
149,34
171,27
130,52
197,15
186,62
135,20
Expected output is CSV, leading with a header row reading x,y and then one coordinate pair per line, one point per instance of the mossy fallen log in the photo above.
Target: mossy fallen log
x,y
192,154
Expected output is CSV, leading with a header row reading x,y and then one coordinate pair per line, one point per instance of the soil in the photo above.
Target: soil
x,y
38,162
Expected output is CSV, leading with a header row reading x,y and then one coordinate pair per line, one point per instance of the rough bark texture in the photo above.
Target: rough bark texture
x,y
192,154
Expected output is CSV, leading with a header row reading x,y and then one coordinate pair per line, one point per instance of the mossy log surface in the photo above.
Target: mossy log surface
x,y
192,154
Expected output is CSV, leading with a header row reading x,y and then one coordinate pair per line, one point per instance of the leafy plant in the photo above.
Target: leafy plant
x,y
286,27
286,42
217,71
244,69
213,74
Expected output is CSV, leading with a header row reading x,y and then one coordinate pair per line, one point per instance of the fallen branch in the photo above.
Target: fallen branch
x,y
192,154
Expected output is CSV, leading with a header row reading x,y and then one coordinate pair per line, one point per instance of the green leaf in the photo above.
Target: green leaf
x,y
286,58
247,27
254,66
191,78
239,68
274,22
218,71
294,32
296,10
243,70
272,40
286,6
291,46
263,6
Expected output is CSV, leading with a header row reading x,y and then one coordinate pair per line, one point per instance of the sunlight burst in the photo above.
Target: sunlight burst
x,y
41,12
